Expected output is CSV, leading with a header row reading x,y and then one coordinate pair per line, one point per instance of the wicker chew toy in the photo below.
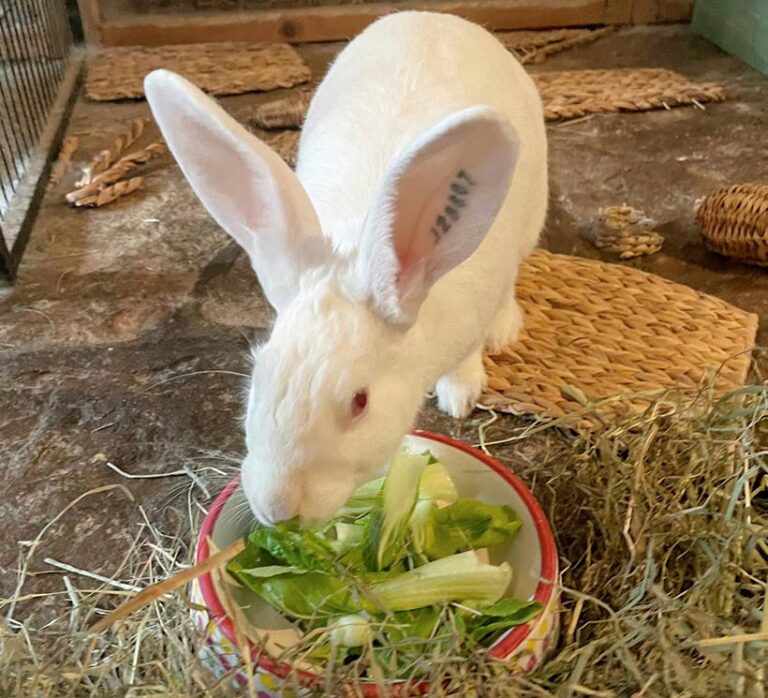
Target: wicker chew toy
x,y
733,221
626,232
595,330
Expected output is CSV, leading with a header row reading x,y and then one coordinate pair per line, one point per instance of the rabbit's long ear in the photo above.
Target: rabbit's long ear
x,y
244,185
434,208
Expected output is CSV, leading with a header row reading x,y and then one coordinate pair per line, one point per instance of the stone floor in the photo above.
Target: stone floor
x,y
117,340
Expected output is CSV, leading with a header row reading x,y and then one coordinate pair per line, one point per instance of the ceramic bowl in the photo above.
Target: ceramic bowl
x,y
532,555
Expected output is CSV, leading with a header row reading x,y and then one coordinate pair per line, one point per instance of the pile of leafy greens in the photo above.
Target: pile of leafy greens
x,y
399,571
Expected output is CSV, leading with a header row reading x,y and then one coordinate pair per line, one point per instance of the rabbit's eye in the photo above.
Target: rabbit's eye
x,y
359,403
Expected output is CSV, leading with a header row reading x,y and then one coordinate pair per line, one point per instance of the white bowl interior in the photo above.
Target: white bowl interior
x,y
473,479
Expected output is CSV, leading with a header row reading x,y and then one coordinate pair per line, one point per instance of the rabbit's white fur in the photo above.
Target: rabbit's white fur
x,y
423,147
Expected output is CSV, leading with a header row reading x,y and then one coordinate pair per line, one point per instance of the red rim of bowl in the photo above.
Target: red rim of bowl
x,y
502,649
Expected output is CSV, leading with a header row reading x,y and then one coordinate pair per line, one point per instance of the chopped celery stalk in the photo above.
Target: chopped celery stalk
x,y
422,526
351,631
270,571
455,578
436,484
347,536
366,495
390,523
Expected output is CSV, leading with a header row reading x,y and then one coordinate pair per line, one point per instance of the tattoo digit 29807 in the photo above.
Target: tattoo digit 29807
x,y
461,187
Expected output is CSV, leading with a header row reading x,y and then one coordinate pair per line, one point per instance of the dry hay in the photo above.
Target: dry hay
x,y
662,527
219,68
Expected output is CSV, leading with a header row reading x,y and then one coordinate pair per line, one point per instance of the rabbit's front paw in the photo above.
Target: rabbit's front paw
x,y
459,391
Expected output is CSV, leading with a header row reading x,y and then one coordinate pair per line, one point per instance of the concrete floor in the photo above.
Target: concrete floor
x,y
119,314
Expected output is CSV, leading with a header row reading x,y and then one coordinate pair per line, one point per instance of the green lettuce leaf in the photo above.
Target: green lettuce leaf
x,y
303,595
289,546
504,615
250,558
419,623
469,524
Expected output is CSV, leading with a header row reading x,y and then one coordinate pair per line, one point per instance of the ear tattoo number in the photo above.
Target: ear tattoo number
x,y
461,187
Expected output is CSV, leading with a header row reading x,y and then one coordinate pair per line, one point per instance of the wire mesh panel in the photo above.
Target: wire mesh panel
x,y
35,41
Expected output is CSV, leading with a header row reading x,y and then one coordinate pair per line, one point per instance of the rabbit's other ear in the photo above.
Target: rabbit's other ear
x,y
434,207
244,184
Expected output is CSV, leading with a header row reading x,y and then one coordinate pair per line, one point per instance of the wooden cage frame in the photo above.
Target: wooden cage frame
x,y
340,22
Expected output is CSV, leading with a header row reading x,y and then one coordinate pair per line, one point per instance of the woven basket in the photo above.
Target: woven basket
x,y
599,330
734,222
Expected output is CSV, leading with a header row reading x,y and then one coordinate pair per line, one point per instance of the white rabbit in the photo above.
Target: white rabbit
x,y
390,256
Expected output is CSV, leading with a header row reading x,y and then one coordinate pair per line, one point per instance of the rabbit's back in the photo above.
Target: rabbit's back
x,y
395,80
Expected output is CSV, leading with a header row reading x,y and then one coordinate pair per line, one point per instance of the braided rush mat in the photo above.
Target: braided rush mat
x,y
219,68
285,144
535,46
570,94
566,95
599,330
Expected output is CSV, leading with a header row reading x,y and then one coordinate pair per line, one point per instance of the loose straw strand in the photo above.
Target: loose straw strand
x,y
157,591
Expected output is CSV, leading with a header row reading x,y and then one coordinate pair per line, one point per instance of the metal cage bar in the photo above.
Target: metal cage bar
x,y
35,45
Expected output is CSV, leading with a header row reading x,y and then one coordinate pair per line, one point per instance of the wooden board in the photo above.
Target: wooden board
x,y
337,23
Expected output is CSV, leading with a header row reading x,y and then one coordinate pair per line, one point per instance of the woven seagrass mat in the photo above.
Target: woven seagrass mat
x,y
219,69
570,94
607,330
565,94
535,46
285,144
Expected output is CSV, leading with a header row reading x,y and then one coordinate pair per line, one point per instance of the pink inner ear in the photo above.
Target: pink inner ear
x,y
420,199
435,207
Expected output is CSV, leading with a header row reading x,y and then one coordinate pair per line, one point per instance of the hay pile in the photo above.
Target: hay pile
x,y
662,525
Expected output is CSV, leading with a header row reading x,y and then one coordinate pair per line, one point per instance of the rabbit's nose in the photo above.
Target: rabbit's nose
x,y
271,507
271,499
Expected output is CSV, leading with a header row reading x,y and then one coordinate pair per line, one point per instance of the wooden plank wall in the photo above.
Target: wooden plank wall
x,y
332,23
